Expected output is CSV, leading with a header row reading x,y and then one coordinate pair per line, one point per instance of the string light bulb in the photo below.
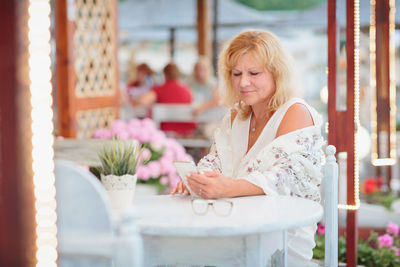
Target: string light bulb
x,y
390,157
356,108
42,128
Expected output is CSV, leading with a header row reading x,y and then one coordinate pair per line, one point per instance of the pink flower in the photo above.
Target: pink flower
x,y
158,140
118,128
142,135
166,165
102,134
134,124
396,251
118,124
148,123
145,155
392,228
321,229
164,180
168,154
385,241
123,135
174,179
154,168
143,173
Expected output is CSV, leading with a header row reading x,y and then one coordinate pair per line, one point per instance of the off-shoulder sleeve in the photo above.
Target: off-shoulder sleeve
x,y
293,172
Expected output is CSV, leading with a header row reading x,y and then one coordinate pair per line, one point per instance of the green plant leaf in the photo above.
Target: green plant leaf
x,y
119,157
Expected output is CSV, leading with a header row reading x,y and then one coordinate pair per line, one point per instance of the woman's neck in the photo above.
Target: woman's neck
x,y
259,113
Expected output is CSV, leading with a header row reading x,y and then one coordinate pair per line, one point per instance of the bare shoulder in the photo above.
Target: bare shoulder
x,y
297,117
233,115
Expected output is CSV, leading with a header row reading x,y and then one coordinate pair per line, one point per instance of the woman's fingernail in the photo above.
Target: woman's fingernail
x,y
201,172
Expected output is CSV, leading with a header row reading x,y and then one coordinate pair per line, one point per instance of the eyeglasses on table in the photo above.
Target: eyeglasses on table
x,y
221,207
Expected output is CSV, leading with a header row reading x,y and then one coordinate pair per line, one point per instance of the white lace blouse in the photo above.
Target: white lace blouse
x,y
287,165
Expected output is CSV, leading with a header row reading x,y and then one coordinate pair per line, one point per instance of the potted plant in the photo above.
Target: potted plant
x,y
119,161
156,171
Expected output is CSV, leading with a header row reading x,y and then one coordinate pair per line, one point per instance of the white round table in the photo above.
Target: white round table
x,y
252,235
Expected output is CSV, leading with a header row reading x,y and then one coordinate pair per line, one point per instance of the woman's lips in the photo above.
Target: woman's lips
x,y
247,92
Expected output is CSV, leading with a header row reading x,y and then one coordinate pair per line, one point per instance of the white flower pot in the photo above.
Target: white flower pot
x,y
121,189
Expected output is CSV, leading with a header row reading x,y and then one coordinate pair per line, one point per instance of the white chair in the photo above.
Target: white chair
x,y
87,234
184,113
330,203
178,113
172,113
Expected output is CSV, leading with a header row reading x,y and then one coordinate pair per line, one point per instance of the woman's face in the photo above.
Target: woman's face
x,y
200,72
254,84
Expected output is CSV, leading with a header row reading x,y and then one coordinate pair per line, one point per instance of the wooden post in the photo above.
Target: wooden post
x,y
17,211
172,43
351,222
339,120
385,125
65,74
215,37
204,28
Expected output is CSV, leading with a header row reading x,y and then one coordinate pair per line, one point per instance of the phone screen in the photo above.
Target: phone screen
x,y
184,168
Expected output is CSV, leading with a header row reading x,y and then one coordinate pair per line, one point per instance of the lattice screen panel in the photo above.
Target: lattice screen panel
x,y
89,120
94,41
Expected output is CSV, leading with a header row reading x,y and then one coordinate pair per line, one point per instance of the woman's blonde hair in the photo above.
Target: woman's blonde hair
x,y
267,49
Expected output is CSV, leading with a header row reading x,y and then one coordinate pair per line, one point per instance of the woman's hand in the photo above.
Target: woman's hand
x,y
180,189
211,185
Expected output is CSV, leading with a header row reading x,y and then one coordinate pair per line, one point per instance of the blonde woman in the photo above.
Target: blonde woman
x,y
270,143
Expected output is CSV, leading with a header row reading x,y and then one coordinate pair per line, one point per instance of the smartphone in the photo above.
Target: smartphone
x,y
184,168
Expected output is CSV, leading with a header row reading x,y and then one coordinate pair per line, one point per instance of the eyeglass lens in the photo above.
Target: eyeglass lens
x,y
200,206
221,207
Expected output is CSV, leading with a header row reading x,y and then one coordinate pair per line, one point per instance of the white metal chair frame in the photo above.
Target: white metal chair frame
x,y
86,230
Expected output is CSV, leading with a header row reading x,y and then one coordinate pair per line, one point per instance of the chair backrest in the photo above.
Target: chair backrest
x,y
87,234
184,113
79,193
330,187
172,113
215,114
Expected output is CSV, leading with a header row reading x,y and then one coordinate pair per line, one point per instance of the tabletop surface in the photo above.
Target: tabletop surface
x,y
173,216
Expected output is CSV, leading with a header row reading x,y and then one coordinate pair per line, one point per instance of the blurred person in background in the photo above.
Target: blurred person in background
x,y
204,86
143,82
172,91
